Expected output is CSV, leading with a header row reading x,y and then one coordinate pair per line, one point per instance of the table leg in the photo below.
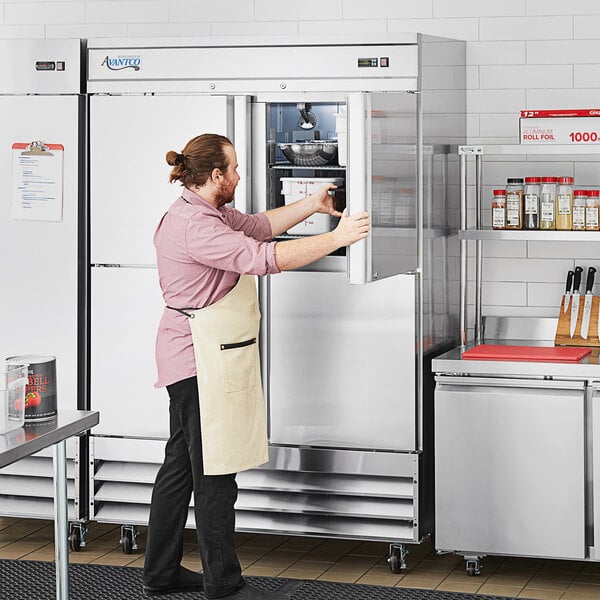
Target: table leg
x,y
61,520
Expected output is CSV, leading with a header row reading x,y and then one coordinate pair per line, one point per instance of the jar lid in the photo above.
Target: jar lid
x,y
532,179
515,180
499,192
580,193
594,193
566,180
548,179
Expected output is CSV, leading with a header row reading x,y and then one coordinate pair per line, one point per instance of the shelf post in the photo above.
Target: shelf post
x,y
463,250
478,247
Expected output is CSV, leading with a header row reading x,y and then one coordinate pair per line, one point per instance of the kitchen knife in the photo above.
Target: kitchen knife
x,y
575,300
568,290
587,305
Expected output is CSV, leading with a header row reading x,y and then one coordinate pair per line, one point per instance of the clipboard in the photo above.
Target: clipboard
x,y
37,181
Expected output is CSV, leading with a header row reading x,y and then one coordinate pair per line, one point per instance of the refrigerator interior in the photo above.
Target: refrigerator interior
x,y
41,283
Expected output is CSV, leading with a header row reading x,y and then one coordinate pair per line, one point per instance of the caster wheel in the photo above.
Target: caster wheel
x,y
75,540
397,558
127,542
76,537
472,568
394,564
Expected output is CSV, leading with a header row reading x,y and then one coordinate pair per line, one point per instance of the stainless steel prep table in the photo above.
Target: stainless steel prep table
x,y
52,433
452,362
517,457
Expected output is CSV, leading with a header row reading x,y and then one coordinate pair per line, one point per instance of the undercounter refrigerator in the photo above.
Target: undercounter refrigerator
x,y
346,342
43,249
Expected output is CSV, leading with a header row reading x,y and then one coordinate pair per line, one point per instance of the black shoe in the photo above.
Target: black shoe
x,y
248,592
189,581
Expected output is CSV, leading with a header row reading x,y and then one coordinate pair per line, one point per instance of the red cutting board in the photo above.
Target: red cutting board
x,y
526,353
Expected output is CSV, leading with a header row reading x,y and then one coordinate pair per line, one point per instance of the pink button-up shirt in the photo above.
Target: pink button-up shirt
x,y
201,252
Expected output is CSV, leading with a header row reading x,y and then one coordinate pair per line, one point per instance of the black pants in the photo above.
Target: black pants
x,y
214,497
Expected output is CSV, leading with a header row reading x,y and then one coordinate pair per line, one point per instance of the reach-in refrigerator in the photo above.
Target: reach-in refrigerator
x,y
43,247
346,342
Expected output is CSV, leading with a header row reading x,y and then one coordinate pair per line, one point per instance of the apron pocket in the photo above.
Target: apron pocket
x,y
239,365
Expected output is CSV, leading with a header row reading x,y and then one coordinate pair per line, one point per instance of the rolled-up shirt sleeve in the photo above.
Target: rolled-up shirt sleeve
x,y
232,241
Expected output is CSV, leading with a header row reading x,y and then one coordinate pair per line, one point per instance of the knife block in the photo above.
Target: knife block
x,y
563,338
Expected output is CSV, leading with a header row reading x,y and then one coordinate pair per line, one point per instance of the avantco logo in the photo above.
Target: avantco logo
x,y
118,63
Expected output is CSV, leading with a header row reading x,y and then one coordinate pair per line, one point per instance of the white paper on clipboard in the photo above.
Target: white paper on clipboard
x,y
37,181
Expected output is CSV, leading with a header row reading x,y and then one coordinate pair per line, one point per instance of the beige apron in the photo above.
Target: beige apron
x,y
232,409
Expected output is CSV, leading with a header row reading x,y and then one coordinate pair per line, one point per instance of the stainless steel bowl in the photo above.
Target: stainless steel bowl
x,y
310,154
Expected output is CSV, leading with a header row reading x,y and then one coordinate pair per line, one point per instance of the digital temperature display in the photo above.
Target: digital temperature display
x,y
368,62
45,65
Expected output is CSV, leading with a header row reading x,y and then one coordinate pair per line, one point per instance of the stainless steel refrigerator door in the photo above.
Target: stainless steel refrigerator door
x,y
510,467
39,259
342,361
384,178
127,306
129,177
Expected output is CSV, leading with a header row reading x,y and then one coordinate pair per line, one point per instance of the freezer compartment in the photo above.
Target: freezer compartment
x,y
342,362
510,467
352,494
126,307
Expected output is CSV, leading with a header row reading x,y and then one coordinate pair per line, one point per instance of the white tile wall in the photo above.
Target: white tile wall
x,y
586,27
526,28
307,10
130,11
520,54
560,7
140,30
30,13
387,9
358,27
462,29
526,76
255,28
496,53
183,11
563,52
586,76
468,8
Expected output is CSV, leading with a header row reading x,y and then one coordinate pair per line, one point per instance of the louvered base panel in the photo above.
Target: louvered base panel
x,y
313,492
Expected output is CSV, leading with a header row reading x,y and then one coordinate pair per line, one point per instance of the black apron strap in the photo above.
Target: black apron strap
x,y
182,311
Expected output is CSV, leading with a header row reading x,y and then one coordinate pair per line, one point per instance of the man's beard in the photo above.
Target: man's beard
x,y
224,196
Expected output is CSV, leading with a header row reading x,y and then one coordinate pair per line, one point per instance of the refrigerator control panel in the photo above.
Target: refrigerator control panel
x,y
49,65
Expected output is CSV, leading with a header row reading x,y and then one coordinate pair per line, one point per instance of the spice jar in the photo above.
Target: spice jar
x,y
531,197
564,204
547,203
514,203
579,204
592,222
499,210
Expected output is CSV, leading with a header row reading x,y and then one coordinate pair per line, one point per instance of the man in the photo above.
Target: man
x,y
207,357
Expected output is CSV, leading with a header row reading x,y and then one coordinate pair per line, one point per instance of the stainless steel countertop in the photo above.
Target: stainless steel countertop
x,y
452,363
35,436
